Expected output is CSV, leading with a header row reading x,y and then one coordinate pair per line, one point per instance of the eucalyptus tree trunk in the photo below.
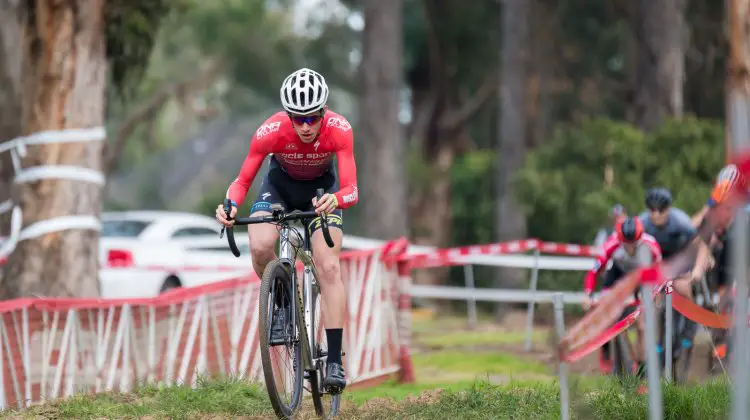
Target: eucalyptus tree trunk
x,y
63,87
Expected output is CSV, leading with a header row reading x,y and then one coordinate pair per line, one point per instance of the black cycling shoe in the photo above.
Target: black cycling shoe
x,y
335,380
279,326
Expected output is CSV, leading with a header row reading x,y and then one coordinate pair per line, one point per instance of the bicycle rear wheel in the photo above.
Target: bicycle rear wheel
x,y
282,363
623,364
682,345
326,404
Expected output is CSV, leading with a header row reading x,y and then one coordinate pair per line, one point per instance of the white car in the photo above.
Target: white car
x,y
144,253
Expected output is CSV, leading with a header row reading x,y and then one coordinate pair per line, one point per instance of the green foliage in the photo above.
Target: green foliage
x,y
562,185
131,28
472,198
256,42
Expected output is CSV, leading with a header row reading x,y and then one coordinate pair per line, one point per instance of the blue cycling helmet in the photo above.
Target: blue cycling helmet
x,y
617,210
658,198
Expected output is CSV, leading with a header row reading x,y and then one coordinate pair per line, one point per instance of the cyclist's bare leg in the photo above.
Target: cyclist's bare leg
x,y
263,237
328,266
333,308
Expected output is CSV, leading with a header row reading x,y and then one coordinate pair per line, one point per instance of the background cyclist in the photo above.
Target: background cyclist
x,y
630,248
728,179
673,229
302,142
616,213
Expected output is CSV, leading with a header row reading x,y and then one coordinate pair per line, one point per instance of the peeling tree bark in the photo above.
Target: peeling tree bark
x,y
64,81
10,95
738,82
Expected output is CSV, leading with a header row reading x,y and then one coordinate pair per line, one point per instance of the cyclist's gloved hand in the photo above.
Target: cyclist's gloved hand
x,y
587,302
221,215
327,203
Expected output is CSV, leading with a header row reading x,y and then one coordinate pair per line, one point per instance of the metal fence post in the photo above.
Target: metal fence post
x,y
471,304
739,113
652,361
560,329
530,310
739,353
668,334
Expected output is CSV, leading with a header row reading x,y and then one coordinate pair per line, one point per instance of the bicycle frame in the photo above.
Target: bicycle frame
x,y
309,282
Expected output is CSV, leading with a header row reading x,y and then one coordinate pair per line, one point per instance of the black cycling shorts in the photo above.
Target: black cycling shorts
x,y
294,194
722,268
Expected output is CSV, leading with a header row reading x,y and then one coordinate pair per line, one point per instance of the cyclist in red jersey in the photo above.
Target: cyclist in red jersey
x,y
302,142
629,248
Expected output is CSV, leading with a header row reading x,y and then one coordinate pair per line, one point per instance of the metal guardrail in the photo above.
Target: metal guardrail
x,y
491,295
471,295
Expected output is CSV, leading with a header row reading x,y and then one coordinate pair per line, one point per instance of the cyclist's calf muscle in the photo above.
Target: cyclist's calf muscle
x,y
263,237
328,266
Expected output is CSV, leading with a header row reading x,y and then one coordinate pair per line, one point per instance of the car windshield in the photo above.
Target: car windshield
x,y
123,228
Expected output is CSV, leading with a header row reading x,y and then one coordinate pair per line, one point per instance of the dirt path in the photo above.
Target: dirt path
x,y
543,350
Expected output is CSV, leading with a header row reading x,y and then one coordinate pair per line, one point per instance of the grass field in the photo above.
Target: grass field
x,y
480,400
461,374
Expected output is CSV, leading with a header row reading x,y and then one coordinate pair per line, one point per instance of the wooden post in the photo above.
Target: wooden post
x,y
738,82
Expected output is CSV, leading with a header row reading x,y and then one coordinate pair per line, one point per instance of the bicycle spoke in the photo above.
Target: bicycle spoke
x,y
281,355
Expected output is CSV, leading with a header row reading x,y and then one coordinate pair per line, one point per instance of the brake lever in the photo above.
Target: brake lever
x,y
228,212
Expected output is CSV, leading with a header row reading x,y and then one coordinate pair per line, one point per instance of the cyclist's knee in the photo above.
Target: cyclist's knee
x,y
328,267
263,239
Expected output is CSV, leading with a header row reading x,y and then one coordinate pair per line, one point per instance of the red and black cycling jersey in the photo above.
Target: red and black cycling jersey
x,y
646,252
302,161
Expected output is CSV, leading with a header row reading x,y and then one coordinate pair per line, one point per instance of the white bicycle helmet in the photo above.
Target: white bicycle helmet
x,y
304,92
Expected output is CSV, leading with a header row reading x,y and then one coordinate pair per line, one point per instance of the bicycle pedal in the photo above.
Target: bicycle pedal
x,y
333,390
278,341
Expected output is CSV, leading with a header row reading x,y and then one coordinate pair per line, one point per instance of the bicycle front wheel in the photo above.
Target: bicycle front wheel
x,y
280,347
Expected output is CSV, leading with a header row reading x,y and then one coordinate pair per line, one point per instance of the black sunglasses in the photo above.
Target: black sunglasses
x,y
305,119
658,209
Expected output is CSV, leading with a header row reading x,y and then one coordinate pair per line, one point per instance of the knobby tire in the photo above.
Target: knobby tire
x,y
326,405
276,273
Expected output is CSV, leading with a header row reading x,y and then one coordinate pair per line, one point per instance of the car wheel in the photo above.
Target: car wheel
x,y
170,283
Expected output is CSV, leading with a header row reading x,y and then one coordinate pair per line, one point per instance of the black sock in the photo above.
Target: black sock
x,y
334,336
641,370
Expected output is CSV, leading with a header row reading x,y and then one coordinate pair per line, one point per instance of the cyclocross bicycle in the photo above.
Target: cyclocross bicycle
x,y
683,332
622,349
298,317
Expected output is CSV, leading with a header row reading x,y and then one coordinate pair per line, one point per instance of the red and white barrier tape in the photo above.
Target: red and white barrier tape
x,y
448,256
59,347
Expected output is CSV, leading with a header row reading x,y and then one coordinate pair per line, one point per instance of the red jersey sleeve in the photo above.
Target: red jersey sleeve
x,y
260,147
601,261
347,195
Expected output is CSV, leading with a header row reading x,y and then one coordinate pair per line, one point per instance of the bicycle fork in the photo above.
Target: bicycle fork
x,y
304,296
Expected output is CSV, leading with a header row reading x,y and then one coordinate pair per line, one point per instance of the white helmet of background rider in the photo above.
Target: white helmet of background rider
x,y
304,92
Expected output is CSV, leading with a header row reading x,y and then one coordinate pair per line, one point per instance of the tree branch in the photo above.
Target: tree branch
x,y
456,118
148,110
